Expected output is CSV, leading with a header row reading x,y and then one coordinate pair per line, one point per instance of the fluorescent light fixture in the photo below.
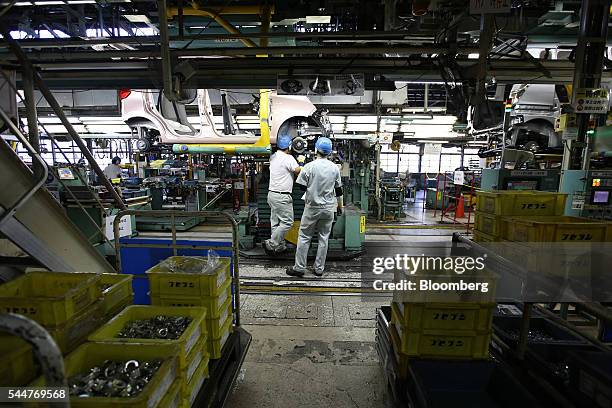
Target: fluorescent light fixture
x,y
336,119
361,119
433,141
44,3
108,128
318,19
137,18
361,127
100,119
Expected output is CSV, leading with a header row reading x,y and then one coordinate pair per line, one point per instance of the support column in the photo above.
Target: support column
x,y
588,67
31,116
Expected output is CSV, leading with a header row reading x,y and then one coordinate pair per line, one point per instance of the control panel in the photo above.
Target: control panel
x,y
589,193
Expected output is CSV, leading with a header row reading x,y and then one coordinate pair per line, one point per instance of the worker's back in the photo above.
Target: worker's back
x,y
320,177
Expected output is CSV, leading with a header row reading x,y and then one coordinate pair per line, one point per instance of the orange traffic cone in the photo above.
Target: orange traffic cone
x,y
459,210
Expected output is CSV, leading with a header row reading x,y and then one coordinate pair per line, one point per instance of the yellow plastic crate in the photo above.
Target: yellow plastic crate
x,y
186,342
216,305
190,390
401,359
18,367
488,224
547,258
50,298
521,202
173,397
441,343
557,229
167,284
94,354
195,357
460,316
482,237
215,326
215,345
74,332
117,296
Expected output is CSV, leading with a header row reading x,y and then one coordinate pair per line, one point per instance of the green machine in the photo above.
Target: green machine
x,y
348,232
82,205
393,196
505,179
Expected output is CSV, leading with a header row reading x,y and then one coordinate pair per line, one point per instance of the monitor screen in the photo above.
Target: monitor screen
x,y
65,173
601,197
522,185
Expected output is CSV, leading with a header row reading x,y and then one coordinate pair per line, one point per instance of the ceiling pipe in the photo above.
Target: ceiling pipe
x,y
216,15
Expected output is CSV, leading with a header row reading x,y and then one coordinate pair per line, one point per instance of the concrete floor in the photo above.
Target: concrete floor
x,y
313,350
318,350
309,351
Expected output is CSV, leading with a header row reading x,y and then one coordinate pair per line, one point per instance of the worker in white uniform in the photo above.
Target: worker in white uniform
x,y
321,179
283,168
113,171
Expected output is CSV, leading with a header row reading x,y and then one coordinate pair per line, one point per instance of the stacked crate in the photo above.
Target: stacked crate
x,y
492,207
212,290
457,331
161,391
67,305
190,348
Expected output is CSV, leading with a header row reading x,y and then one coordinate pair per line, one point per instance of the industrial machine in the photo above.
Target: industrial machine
x,y
505,179
392,199
589,193
82,204
353,156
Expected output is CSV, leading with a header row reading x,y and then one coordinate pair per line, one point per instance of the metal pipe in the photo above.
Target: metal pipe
x,y
44,347
169,91
153,40
521,347
32,119
215,15
60,114
35,156
253,50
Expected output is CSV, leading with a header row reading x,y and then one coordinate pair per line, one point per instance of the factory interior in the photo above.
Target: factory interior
x,y
260,204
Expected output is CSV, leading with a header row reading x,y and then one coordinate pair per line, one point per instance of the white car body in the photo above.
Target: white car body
x,y
139,110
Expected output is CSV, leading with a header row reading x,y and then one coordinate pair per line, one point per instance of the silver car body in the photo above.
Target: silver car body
x,y
139,110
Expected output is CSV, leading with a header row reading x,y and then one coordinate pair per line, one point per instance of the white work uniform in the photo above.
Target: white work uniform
x,y
282,169
112,171
320,177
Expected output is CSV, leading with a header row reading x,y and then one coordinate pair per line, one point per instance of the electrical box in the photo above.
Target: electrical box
x,y
504,179
589,193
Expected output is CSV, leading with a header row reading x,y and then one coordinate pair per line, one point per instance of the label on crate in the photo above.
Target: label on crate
x,y
162,388
193,339
196,389
193,365
223,276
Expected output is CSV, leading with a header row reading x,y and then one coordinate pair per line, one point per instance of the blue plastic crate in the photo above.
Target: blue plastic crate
x,y
465,384
136,261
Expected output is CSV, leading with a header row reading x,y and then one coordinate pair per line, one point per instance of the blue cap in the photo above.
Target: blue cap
x,y
324,145
283,142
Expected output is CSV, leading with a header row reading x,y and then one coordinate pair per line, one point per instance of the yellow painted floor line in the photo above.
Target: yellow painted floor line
x,y
413,226
305,289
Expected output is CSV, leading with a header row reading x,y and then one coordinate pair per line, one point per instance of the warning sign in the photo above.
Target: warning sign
x,y
591,100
